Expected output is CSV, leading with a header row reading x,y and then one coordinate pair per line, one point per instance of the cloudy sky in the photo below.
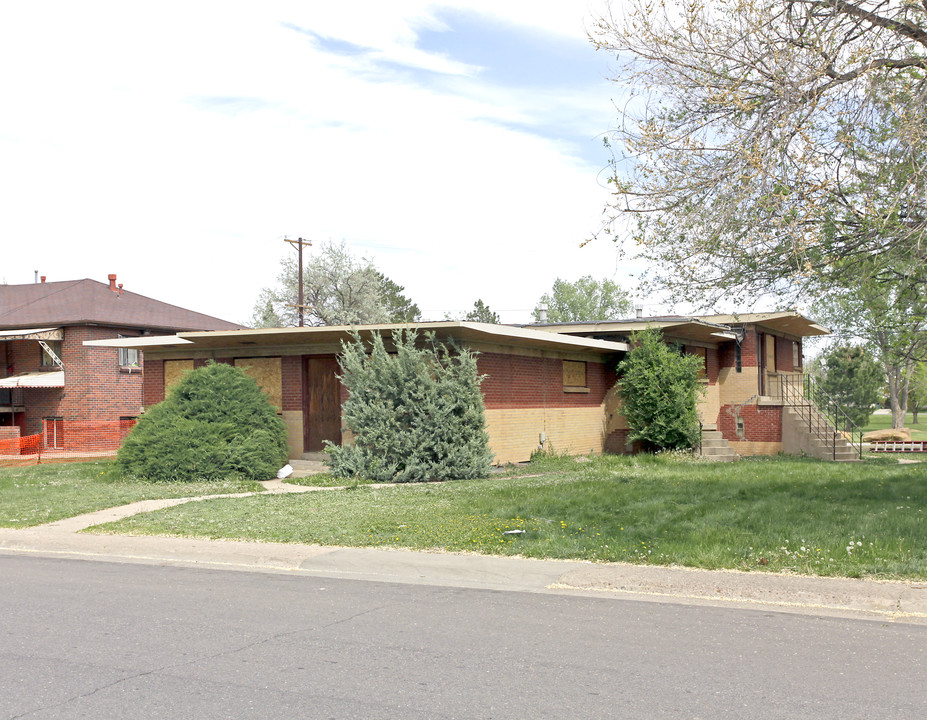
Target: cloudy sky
x,y
458,144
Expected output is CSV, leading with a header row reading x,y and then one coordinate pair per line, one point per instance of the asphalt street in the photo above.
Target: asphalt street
x,y
93,638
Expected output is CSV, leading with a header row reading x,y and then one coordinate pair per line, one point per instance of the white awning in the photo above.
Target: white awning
x,y
34,380
32,334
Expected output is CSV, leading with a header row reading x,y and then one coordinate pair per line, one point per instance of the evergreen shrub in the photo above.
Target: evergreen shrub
x,y
659,390
417,413
215,424
852,377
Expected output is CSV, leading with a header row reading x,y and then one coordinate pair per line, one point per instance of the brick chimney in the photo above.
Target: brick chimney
x,y
112,283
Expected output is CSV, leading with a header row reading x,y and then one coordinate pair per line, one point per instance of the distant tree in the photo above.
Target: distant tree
x,y
399,308
659,390
481,313
338,289
415,410
586,300
851,376
917,392
890,316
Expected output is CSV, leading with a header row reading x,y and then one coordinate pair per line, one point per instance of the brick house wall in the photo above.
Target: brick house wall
x,y
750,425
524,397
96,389
529,407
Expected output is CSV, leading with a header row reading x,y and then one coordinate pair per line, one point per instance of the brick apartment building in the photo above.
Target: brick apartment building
x,y
51,383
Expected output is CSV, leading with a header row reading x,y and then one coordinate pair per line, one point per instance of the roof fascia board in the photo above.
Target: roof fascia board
x,y
464,331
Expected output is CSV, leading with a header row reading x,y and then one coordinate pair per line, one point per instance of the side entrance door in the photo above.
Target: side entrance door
x,y
322,402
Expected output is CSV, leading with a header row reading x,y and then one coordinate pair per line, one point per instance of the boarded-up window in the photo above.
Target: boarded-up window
x,y
268,375
702,353
173,371
574,376
770,353
796,356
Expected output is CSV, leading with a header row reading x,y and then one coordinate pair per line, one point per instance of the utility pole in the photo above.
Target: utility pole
x,y
299,243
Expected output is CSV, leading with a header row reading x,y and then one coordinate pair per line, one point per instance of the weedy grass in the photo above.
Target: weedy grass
x,y
37,494
776,514
325,480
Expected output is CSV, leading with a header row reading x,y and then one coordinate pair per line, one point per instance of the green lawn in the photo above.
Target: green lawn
x,y
776,514
38,494
884,422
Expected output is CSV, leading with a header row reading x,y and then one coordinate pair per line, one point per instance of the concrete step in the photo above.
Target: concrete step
x,y
713,445
732,457
303,467
716,448
717,452
315,456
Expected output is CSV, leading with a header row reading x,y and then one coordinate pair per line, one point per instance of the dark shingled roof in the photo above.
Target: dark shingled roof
x,y
88,302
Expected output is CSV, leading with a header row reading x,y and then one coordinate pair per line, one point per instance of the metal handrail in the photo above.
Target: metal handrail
x,y
820,411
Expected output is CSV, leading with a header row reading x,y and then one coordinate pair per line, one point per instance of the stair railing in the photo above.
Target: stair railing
x,y
825,418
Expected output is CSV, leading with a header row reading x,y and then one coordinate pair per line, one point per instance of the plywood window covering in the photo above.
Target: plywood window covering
x,y
268,373
771,353
173,371
796,356
702,353
574,376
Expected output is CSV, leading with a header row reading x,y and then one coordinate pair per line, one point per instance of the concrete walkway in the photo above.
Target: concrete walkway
x,y
884,601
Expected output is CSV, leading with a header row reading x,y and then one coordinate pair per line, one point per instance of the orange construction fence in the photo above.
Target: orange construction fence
x,y
63,441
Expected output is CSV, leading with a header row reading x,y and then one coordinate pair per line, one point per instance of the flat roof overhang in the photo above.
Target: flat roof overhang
x,y
332,335
52,379
52,333
708,328
683,328
790,322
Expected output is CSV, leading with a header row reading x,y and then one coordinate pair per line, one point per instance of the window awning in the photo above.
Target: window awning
x,y
34,380
32,334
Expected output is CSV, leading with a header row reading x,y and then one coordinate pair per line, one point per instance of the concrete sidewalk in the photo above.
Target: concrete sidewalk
x,y
892,601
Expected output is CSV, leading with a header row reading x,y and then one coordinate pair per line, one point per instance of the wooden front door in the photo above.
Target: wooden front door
x,y
322,403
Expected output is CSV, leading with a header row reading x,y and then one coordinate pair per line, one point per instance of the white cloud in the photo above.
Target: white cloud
x,y
176,144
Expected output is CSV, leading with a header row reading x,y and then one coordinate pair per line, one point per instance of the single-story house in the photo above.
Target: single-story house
x,y
749,359
52,384
541,389
546,386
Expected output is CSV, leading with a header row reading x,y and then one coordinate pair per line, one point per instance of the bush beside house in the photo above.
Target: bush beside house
x,y
417,413
659,390
215,424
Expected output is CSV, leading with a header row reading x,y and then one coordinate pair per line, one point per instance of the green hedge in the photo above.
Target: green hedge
x,y
216,424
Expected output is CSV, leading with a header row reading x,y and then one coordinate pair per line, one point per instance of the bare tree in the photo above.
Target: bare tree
x,y
745,148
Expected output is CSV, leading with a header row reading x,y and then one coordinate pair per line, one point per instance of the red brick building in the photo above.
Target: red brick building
x,y
748,360
541,389
51,382
548,386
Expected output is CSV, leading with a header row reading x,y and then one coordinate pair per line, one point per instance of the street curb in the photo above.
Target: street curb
x,y
894,601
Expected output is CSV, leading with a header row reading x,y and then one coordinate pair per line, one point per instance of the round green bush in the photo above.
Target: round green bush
x,y
216,424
